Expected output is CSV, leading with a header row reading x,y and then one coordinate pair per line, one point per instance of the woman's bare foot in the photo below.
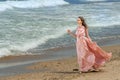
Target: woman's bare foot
x,y
85,71
95,70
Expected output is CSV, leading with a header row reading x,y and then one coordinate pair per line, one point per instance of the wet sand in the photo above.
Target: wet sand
x,y
62,68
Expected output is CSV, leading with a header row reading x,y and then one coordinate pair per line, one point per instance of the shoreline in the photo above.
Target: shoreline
x,y
49,52
105,42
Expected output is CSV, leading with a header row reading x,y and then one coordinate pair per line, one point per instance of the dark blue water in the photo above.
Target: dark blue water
x,y
89,1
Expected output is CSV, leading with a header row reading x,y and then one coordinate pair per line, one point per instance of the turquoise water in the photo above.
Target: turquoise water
x,y
26,28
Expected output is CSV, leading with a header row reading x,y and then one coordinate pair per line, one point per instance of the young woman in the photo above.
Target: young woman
x,y
90,56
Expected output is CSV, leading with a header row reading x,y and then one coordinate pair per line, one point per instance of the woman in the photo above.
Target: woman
x,y
90,56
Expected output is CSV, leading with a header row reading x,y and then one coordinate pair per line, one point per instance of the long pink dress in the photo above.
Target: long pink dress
x,y
89,54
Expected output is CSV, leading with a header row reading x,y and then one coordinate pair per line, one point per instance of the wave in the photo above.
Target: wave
x,y
4,5
23,48
36,3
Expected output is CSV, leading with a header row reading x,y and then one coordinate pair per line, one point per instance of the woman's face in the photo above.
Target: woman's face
x,y
79,21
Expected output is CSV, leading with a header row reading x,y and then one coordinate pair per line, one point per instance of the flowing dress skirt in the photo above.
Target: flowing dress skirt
x,y
90,54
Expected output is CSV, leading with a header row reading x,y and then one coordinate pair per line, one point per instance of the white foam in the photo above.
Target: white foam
x,y
30,4
4,6
4,52
36,3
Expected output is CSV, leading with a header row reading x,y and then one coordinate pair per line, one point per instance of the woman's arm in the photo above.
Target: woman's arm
x,y
72,34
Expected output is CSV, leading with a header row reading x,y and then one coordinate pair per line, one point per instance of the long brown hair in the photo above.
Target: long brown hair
x,y
83,22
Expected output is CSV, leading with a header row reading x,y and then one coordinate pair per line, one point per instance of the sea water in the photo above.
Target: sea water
x,y
30,26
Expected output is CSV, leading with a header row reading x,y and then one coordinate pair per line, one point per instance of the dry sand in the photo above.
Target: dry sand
x,y
63,69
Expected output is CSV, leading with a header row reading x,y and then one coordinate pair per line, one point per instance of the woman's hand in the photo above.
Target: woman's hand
x,y
72,34
69,31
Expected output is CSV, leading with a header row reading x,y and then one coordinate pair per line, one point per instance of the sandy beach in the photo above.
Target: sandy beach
x,y
62,69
